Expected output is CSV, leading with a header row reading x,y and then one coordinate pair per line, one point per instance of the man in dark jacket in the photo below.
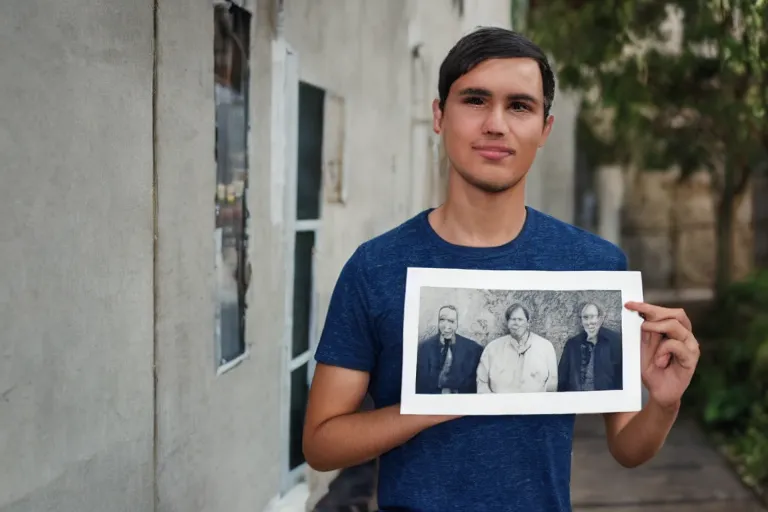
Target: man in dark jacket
x,y
447,362
592,359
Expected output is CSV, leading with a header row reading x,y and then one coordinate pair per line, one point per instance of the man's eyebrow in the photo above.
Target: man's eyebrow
x,y
475,91
522,97
478,91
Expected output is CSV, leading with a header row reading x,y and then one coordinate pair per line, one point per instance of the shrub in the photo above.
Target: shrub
x,y
730,389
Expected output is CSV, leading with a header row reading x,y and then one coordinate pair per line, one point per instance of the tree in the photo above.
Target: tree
x,y
655,97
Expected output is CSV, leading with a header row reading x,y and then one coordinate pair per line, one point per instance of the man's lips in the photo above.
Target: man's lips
x,y
493,152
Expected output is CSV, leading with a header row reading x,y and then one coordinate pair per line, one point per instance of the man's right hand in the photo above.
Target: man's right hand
x,y
338,435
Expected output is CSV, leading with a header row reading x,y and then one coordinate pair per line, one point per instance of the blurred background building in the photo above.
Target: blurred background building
x,y
183,182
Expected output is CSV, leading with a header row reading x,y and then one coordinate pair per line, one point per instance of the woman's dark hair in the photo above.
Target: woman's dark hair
x,y
493,43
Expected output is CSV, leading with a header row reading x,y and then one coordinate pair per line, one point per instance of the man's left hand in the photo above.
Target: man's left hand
x,y
669,352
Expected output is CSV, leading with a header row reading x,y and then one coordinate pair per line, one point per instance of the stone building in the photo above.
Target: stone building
x,y
182,183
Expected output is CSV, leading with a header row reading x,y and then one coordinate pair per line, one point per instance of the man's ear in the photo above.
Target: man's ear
x,y
437,116
547,130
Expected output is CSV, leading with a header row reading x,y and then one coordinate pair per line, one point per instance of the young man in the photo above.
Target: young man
x,y
493,113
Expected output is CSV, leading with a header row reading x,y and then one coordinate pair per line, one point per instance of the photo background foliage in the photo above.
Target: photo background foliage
x,y
554,313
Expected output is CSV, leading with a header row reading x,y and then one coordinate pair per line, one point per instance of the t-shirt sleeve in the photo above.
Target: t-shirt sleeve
x,y
348,339
623,262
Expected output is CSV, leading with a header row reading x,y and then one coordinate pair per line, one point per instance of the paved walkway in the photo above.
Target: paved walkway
x,y
687,475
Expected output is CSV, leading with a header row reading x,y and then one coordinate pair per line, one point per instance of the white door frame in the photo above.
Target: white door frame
x,y
285,115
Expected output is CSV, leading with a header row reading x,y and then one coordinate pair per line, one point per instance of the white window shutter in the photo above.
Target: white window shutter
x,y
334,179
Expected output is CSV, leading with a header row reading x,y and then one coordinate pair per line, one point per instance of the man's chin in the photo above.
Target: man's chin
x,y
489,186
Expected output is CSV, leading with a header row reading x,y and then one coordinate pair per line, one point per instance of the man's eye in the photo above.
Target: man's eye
x,y
518,105
473,100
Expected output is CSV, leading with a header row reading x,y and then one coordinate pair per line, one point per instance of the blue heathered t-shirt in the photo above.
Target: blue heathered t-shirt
x,y
475,463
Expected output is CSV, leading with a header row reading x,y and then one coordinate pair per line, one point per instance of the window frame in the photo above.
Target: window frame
x,y
243,256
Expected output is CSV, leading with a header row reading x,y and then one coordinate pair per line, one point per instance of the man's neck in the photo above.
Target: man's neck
x,y
473,218
523,341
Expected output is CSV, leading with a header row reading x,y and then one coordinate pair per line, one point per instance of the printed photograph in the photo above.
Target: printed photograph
x,y
558,345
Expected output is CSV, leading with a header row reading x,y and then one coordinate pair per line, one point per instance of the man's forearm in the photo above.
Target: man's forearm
x,y
643,435
358,437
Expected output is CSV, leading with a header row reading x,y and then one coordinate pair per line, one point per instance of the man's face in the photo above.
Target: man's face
x,y
446,322
517,324
493,123
590,320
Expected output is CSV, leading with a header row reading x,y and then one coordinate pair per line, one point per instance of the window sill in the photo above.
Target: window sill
x,y
221,370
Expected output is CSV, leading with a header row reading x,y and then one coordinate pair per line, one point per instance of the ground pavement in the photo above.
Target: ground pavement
x,y
686,475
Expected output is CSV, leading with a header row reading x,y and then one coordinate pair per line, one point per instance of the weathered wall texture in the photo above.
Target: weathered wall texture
x,y
76,256
551,180
669,230
217,436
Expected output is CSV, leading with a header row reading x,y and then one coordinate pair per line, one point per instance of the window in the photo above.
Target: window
x,y
231,59
306,227
307,166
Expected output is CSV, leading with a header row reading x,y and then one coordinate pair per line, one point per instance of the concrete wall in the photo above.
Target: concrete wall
x,y
76,258
552,178
76,380
217,436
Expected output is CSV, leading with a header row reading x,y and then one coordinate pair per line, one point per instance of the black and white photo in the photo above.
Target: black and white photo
x,y
520,342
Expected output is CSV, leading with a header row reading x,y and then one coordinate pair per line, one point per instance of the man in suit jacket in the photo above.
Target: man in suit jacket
x,y
591,360
447,362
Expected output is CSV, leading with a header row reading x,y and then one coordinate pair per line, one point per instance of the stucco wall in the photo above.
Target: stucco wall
x,y
552,178
217,436
76,257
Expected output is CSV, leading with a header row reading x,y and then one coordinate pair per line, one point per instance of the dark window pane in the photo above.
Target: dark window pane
x,y
231,115
310,151
299,396
302,291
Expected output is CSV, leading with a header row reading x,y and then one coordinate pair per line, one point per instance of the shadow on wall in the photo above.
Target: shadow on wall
x,y
554,314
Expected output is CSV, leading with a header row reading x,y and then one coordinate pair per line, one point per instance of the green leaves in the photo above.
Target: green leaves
x,y
730,389
684,81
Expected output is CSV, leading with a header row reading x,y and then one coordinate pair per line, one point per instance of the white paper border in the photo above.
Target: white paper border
x,y
572,402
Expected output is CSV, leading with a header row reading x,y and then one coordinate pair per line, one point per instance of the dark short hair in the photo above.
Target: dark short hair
x,y
493,43
583,305
514,307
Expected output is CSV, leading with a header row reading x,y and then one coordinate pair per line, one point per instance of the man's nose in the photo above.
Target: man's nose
x,y
495,124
